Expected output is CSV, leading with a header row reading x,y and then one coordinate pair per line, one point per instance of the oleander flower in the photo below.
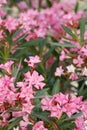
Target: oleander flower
x,y
39,126
7,66
59,71
33,60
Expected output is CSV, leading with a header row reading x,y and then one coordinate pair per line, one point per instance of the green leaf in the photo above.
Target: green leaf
x,y
33,43
73,117
41,93
82,29
19,53
16,70
48,3
4,128
41,69
41,115
47,55
14,123
68,126
68,30
21,38
81,89
51,73
76,7
56,87
67,44
16,33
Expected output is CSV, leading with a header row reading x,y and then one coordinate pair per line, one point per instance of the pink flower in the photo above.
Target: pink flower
x,y
56,111
39,126
7,90
2,13
84,72
11,24
61,103
31,36
79,61
59,71
45,103
4,119
83,51
25,122
54,104
7,66
35,80
73,76
35,4
70,2
7,82
22,5
27,107
26,92
3,3
33,60
72,106
17,128
71,68
62,56
63,98
34,24
80,123
83,108
18,113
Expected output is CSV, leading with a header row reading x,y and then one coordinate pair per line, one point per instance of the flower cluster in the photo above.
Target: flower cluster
x,y
77,68
60,103
43,52
21,95
35,24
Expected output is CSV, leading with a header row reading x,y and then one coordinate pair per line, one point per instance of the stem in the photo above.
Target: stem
x,y
7,52
77,38
56,126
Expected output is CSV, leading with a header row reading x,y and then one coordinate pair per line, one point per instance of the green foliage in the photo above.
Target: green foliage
x,y
82,29
69,31
14,123
56,87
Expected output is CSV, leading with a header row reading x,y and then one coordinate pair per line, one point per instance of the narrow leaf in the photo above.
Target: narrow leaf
x,y
56,87
82,29
69,31
14,123
41,93
68,45
41,115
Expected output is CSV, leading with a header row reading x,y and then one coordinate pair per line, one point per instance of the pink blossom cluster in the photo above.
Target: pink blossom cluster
x,y
48,22
43,4
21,95
18,96
34,24
60,103
39,126
81,123
11,24
3,3
39,24
77,67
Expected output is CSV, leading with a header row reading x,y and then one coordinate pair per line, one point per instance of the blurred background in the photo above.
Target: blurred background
x,y
13,7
